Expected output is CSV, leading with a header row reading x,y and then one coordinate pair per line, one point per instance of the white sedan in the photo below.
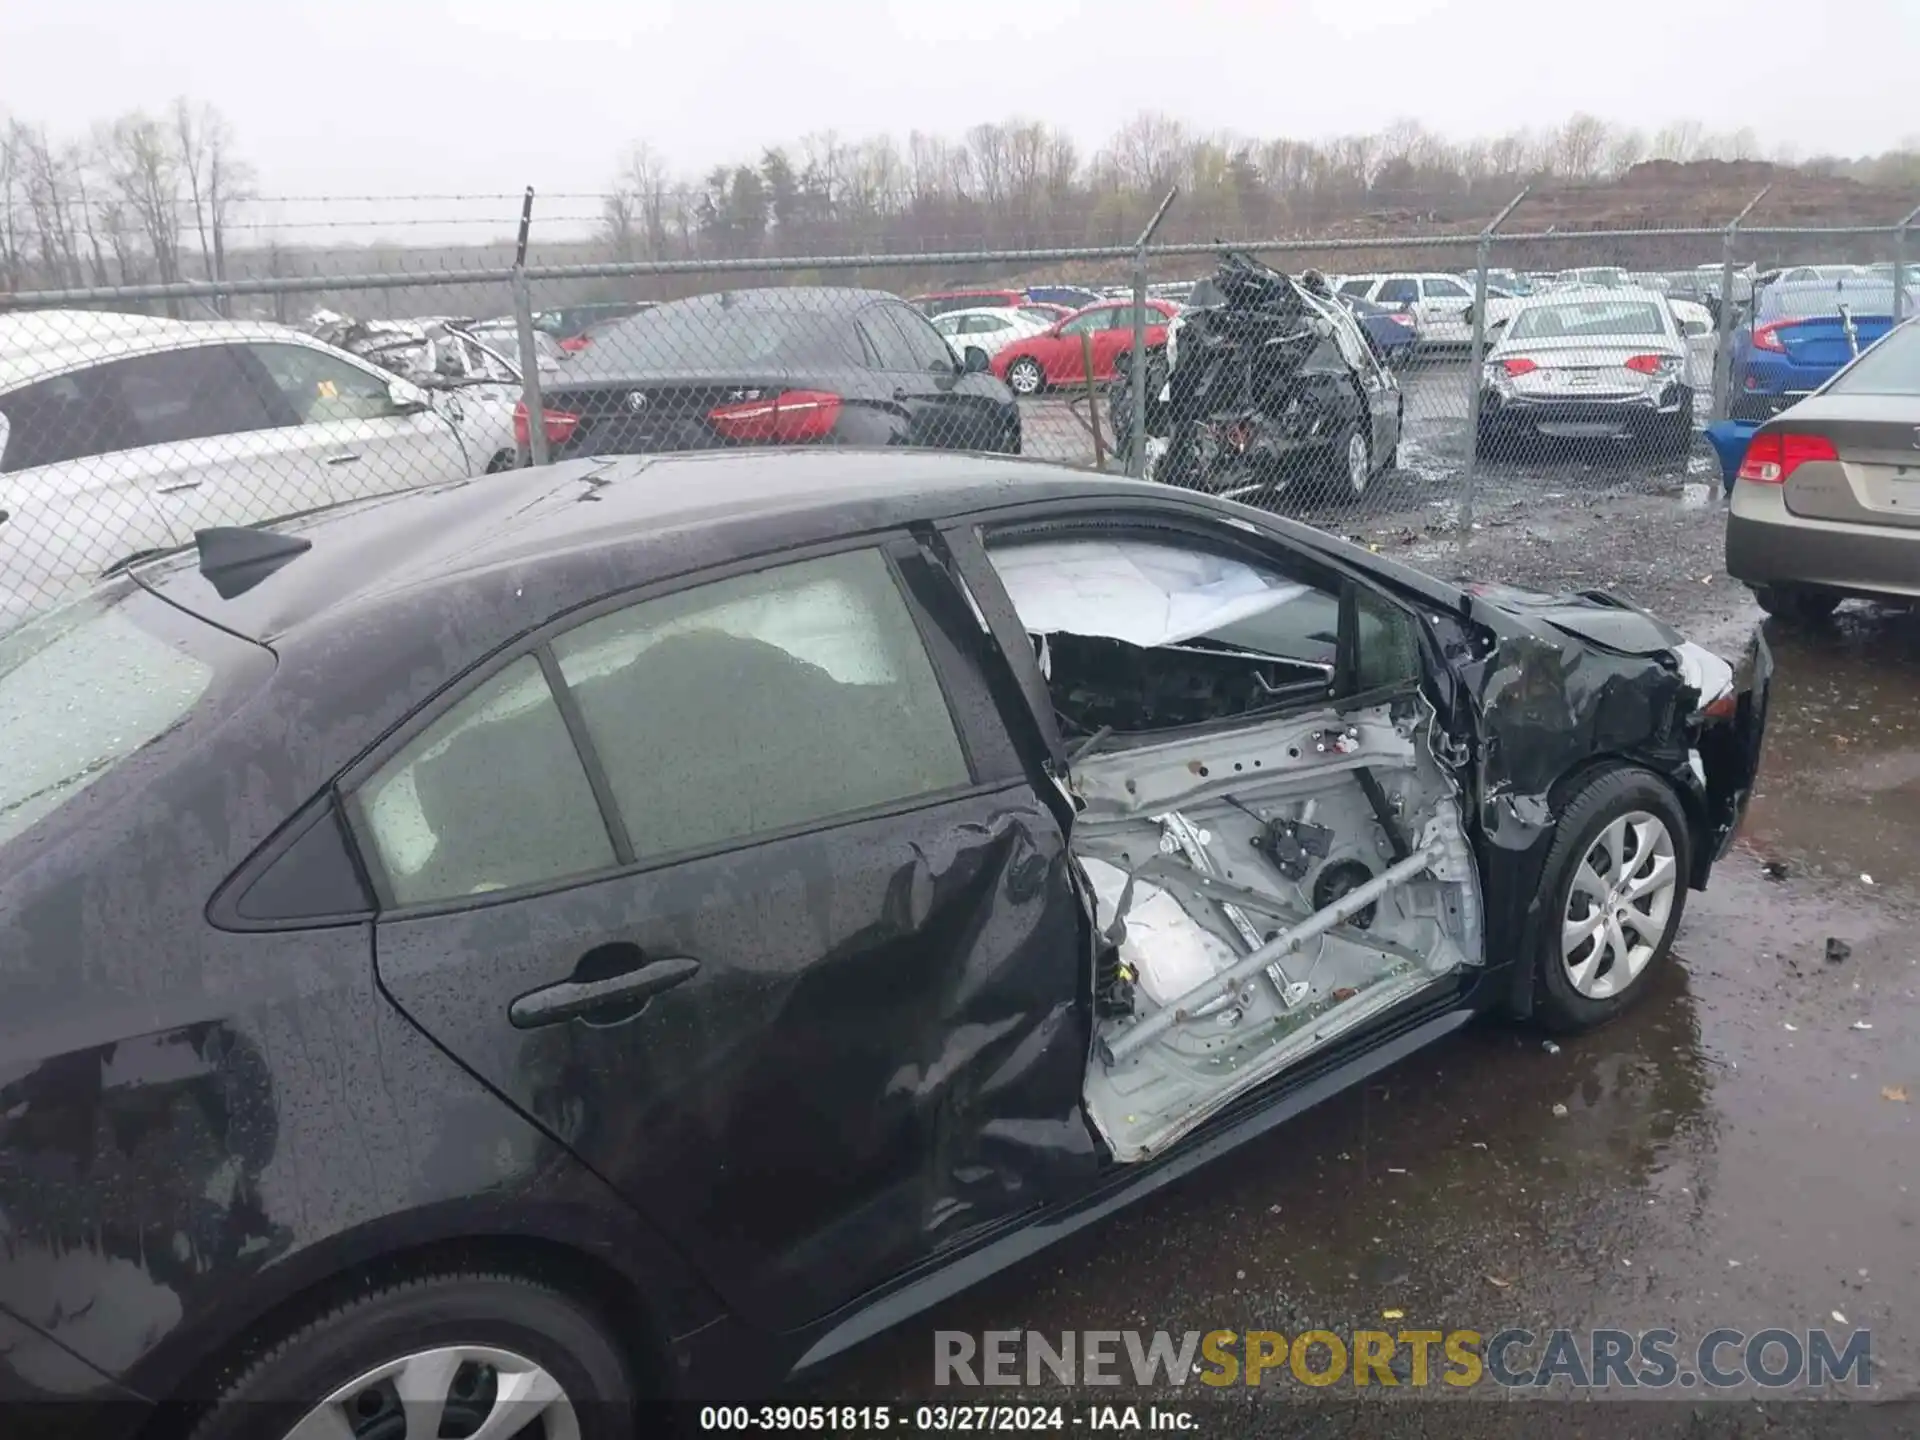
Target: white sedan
x,y
991,329
121,434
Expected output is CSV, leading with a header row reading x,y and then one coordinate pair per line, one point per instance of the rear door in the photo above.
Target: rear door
x,y
213,445
1115,338
1444,305
744,892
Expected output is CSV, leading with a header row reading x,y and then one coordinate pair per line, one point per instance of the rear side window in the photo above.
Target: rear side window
x,y
1890,368
491,796
753,705
82,689
61,419
923,343
187,394
1398,292
154,399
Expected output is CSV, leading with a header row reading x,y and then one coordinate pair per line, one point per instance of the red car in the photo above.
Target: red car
x,y
1054,357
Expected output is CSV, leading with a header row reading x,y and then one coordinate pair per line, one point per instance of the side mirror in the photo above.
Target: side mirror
x,y
975,361
407,397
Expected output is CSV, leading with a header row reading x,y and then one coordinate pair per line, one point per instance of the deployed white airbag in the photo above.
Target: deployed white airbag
x,y
1131,590
1167,951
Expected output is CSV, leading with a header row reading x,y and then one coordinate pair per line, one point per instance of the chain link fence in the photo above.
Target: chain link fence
x,y
1367,386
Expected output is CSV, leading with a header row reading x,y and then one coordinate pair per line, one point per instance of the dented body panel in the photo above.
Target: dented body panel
x,y
876,1088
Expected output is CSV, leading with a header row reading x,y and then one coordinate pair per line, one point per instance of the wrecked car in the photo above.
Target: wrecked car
x,y
1272,393
650,923
473,384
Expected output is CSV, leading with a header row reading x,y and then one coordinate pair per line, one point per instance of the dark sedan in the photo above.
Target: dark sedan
x,y
803,365
637,928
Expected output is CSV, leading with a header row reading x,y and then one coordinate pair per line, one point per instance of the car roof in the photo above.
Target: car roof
x,y
50,348
1574,294
997,311
657,515
775,297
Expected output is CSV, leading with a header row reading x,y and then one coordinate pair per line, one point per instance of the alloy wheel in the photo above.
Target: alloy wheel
x,y
1359,463
1619,904
1024,377
462,1392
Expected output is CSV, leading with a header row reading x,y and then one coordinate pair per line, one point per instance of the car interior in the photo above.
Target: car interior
x,y
1269,869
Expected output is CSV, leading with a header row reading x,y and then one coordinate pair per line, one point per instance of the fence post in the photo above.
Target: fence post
x,y
1137,372
537,451
1900,263
1723,340
1477,358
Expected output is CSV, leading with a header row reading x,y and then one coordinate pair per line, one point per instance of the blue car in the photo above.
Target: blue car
x,y
1076,297
1800,333
1390,331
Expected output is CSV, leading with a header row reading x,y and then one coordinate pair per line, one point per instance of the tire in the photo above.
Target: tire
x,y
1025,377
1346,468
1010,438
1582,983
530,1330
505,460
1797,603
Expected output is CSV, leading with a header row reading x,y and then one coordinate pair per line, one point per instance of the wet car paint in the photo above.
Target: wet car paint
x,y
1713,1167
193,1136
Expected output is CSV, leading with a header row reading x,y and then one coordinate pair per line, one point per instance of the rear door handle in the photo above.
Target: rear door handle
x,y
572,999
180,485
344,459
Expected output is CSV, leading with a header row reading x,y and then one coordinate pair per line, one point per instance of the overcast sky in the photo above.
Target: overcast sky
x,y
439,96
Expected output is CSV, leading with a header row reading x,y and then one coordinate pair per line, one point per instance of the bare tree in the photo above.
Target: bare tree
x,y
1679,141
143,171
13,205
1628,149
216,180
1583,140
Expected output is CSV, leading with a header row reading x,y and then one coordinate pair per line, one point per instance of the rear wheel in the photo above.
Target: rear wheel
x,y
1800,603
453,1354
1025,377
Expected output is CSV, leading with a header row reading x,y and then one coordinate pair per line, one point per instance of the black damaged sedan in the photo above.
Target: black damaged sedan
x,y
476,961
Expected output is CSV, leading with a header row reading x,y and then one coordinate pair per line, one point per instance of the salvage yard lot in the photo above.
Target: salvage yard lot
x,y
1434,454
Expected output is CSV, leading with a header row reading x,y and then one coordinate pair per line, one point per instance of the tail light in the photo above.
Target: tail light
x,y
1518,366
1648,364
1767,337
559,425
783,419
1400,317
1773,455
